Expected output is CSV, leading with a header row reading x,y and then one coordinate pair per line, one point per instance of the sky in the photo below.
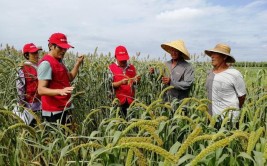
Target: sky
x,y
139,25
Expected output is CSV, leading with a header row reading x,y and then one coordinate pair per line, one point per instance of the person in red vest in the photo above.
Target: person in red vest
x,y
123,78
27,84
54,80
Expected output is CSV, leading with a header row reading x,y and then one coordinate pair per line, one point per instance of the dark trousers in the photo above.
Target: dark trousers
x,y
34,122
63,117
124,108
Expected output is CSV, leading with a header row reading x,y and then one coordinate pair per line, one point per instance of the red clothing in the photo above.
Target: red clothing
x,y
124,92
31,83
60,80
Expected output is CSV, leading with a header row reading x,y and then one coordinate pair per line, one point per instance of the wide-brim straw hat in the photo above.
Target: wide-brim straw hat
x,y
222,49
177,45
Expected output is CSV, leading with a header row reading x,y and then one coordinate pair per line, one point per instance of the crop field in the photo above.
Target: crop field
x,y
154,132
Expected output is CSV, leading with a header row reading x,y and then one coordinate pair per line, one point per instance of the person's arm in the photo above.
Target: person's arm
x,y
20,86
240,88
44,73
44,91
241,100
75,69
186,82
119,83
137,79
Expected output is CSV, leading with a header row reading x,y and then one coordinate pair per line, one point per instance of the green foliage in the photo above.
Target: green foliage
x,y
153,133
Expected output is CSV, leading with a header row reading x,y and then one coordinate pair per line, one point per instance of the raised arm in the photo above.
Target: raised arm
x,y
75,69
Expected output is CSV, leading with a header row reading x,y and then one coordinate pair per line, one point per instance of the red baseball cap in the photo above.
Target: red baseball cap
x,y
30,48
60,40
121,53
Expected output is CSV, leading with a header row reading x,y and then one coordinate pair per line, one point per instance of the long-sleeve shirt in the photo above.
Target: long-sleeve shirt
x,y
20,85
182,77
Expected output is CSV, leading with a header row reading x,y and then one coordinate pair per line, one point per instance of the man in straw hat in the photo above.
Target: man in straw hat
x,y
54,80
225,85
181,73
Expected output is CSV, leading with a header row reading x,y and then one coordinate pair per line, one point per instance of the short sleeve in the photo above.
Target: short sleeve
x,y
44,71
240,85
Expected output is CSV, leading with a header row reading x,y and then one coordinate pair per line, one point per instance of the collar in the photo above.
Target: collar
x,y
127,66
30,64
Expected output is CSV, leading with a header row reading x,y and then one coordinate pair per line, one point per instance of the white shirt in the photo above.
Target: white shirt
x,y
224,88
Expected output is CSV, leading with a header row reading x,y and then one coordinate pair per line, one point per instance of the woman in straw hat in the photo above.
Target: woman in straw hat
x,y
181,72
225,85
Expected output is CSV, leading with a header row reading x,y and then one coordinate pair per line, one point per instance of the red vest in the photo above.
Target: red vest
x,y
31,83
60,80
124,92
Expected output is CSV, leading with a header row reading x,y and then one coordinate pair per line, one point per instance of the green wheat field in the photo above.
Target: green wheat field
x,y
154,132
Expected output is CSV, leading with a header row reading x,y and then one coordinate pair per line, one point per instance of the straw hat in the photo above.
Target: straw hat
x,y
177,45
222,49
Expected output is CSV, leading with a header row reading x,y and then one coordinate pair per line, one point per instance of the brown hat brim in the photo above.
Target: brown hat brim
x,y
230,59
169,49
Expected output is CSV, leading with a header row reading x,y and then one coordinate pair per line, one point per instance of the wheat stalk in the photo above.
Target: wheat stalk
x,y
188,142
253,139
129,157
141,145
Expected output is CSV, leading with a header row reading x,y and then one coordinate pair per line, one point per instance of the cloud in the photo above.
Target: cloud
x,y
180,14
139,25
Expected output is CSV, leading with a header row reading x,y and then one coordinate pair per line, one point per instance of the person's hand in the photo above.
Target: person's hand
x,y
124,81
137,78
80,59
151,70
66,91
166,80
22,103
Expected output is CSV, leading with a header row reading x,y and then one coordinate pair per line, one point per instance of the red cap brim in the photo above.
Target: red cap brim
x,y
122,57
34,50
65,45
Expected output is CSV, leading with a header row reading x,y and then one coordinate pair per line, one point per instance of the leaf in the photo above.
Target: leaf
x,y
218,153
172,129
175,147
246,156
259,158
161,163
221,159
116,136
202,147
64,150
161,126
97,152
94,133
109,126
185,157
